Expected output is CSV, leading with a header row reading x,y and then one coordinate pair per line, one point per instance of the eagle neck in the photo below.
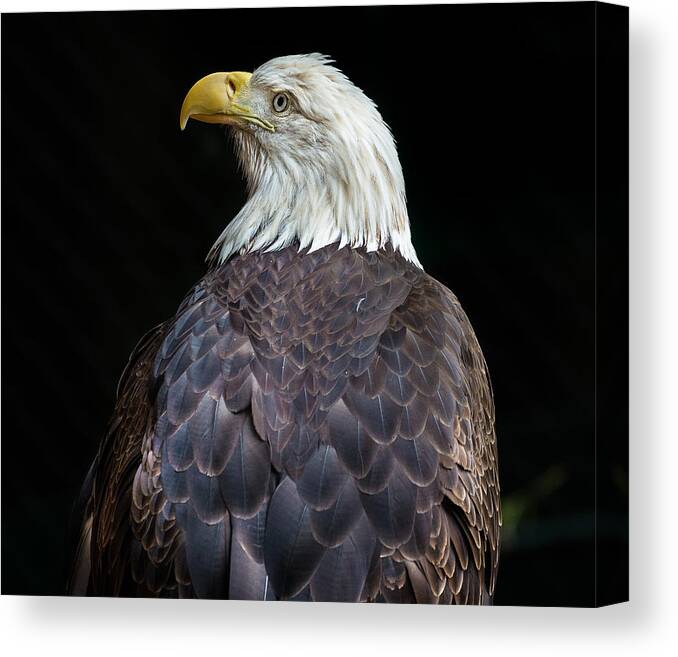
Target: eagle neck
x,y
317,203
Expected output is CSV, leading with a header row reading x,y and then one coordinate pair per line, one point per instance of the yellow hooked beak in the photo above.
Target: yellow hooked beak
x,y
218,98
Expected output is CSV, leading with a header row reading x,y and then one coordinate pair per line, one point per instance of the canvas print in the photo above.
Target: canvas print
x,y
296,317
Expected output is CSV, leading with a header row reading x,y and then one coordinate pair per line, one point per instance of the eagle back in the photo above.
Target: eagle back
x,y
322,428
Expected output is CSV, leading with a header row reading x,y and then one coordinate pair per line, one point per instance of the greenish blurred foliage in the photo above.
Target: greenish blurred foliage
x,y
522,506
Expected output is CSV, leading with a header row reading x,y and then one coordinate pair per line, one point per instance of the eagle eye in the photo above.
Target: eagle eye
x,y
280,102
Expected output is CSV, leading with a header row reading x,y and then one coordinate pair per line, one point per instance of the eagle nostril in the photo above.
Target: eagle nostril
x,y
230,87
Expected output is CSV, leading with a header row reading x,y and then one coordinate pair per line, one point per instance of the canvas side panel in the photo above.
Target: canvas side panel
x,y
612,271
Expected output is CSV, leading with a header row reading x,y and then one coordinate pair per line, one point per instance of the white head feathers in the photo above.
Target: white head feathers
x,y
328,173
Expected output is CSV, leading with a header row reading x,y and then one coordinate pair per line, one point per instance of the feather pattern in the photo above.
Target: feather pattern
x,y
311,425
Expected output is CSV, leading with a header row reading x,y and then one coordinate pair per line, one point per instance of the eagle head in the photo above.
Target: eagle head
x,y
320,162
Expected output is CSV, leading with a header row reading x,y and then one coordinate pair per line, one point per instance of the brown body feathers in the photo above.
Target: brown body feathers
x,y
309,426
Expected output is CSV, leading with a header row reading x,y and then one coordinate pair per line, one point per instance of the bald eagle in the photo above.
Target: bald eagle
x,y
316,422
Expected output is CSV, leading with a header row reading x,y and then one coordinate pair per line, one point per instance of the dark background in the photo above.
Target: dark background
x,y
108,212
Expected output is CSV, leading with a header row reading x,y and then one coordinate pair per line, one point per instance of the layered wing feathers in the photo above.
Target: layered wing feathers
x,y
320,427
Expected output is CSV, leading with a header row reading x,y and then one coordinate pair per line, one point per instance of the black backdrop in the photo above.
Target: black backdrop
x,y
108,211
